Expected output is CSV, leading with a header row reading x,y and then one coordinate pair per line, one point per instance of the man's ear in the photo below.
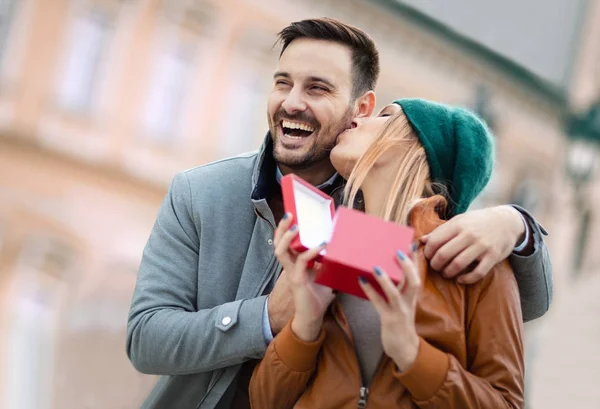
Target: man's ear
x,y
365,104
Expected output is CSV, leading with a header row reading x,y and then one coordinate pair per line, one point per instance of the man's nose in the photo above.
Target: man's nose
x,y
294,102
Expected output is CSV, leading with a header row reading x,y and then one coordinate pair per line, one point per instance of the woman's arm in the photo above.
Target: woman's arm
x,y
495,369
282,376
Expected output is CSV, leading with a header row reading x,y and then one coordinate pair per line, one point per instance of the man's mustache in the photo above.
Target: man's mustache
x,y
299,117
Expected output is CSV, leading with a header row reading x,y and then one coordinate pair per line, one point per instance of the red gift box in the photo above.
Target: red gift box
x,y
312,210
359,243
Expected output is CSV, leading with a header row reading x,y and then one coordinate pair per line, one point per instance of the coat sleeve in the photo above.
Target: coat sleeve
x,y
534,272
279,380
166,334
494,376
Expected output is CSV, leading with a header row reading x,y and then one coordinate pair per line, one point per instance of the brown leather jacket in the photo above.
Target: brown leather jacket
x,y
470,353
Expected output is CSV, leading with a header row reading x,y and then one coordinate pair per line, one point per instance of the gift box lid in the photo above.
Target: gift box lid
x,y
313,212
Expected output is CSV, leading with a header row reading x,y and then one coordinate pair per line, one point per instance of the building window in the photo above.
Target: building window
x,y
180,39
7,13
50,257
86,46
248,93
167,87
38,285
482,106
249,88
103,308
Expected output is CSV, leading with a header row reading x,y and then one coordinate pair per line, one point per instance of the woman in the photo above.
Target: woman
x,y
432,342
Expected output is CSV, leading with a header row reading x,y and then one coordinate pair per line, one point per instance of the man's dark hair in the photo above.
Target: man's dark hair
x,y
365,57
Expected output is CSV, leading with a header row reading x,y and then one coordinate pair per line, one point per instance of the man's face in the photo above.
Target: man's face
x,y
311,101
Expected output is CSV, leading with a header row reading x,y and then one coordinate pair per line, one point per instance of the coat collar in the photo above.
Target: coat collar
x,y
264,169
425,215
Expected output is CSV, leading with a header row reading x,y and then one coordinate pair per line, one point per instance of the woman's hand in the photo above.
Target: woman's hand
x,y
398,330
310,299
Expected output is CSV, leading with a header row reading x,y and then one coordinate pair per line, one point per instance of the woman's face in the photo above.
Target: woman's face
x,y
352,143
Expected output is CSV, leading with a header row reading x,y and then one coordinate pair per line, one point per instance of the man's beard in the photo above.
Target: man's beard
x,y
324,139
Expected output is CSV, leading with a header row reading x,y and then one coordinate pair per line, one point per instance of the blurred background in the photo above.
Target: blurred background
x,y
103,101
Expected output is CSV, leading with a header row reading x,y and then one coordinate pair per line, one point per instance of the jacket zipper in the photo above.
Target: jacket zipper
x,y
363,395
363,392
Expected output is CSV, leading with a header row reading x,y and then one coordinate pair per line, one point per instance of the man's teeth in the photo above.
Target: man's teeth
x,y
297,125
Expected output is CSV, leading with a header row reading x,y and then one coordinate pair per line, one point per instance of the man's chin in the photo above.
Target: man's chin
x,y
294,160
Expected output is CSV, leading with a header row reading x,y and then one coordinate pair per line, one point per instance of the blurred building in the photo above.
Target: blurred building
x,y
103,101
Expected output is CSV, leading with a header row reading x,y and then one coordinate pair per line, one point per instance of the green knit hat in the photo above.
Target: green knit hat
x,y
459,148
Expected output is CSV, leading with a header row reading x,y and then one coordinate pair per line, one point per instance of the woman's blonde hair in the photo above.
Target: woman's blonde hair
x,y
412,181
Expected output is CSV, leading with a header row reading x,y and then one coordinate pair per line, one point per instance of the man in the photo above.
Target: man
x,y
200,314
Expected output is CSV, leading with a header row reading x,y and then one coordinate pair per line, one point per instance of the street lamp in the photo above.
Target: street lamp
x,y
581,159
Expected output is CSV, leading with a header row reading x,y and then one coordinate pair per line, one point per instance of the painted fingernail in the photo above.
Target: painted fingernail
x,y
323,244
362,279
401,255
414,247
285,216
294,227
378,270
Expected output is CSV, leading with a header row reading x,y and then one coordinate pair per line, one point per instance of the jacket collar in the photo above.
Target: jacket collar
x,y
264,169
265,172
427,214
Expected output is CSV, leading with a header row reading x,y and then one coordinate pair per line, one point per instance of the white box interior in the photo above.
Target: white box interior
x,y
315,224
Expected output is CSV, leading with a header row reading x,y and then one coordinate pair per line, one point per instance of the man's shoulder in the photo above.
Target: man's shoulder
x,y
220,187
224,172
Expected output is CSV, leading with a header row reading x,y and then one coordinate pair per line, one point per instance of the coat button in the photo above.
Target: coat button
x,y
226,321
270,242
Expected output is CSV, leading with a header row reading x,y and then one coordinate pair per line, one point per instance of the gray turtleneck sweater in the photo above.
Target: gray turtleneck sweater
x,y
366,332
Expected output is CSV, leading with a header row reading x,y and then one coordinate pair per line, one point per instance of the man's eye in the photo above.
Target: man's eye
x,y
319,88
385,114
